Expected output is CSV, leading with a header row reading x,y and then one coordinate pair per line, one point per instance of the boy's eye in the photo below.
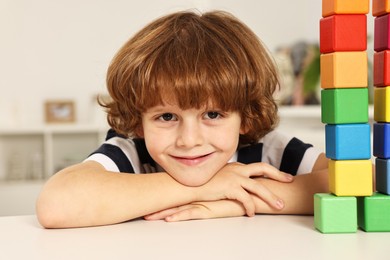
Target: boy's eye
x,y
167,117
212,115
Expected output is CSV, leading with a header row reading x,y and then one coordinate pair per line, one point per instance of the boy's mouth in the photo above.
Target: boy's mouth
x,y
192,160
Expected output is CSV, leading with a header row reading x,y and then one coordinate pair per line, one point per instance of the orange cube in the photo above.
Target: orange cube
x,y
331,7
380,7
344,69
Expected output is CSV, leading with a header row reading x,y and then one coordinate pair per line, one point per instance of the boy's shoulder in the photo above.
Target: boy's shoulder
x,y
252,153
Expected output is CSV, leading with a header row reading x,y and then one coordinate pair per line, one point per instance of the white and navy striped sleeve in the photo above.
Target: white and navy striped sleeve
x,y
118,154
288,154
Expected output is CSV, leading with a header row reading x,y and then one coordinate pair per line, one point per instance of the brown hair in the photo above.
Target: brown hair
x,y
193,59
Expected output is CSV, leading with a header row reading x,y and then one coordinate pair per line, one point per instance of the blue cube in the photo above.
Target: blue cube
x,y
382,140
382,175
348,141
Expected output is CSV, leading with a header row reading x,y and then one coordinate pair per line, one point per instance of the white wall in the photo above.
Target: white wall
x,y
51,49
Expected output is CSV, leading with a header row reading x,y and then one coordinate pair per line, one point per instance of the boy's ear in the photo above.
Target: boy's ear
x,y
139,132
244,129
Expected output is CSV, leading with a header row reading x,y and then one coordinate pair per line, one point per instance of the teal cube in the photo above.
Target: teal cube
x,y
333,214
374,213
344,105
382,175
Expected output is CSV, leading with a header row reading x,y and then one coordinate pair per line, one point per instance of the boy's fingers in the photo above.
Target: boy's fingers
x,y
263,193
189,213
266,170
246,200
161,214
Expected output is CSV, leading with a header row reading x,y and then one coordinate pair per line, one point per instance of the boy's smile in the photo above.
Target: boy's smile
x,y
192,160
191,145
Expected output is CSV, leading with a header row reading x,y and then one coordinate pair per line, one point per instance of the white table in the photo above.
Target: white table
x,y
260,237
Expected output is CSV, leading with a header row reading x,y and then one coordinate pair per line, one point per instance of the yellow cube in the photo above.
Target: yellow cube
x,y
344,69
380,7
382,104
350,177
330,7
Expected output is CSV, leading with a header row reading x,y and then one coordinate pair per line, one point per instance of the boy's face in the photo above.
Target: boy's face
x,y
191,145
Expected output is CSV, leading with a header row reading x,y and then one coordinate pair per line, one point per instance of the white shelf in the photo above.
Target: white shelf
x,y
51,129
37,152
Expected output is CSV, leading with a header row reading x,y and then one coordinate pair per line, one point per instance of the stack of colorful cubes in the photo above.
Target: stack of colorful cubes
x,y
344,110
374,211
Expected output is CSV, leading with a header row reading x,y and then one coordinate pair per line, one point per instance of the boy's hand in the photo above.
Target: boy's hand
x,y
234,182
200,210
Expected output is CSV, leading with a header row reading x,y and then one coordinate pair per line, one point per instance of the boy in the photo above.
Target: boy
x,y
191,103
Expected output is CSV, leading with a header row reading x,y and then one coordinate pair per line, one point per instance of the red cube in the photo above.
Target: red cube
x,y
382,68
343,32
381,33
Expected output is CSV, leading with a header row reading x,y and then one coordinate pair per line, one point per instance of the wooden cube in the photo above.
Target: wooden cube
x,y
344,106
382,175
382,68
344,69
381,146
380,7
348,141
374,213
350,177
346,32
381,33
334,214
330,7
382,104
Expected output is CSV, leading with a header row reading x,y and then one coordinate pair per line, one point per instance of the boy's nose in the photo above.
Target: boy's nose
x,y
189,135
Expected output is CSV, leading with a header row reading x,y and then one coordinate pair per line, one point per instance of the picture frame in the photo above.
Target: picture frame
x,y
59,111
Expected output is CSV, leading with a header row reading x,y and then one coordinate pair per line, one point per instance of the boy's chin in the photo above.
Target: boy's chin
x,y
192,182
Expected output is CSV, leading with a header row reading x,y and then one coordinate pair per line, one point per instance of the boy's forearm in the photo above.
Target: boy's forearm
x,y
90,196
297,196
87,195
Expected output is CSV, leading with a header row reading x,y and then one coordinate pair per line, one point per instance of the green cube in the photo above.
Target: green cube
x,y
374,212
334,214
344,105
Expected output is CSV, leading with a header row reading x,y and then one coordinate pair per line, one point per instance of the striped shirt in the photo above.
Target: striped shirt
x,y
288,154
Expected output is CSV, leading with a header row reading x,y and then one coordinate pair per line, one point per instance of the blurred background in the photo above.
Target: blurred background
x,y
53,60
52,49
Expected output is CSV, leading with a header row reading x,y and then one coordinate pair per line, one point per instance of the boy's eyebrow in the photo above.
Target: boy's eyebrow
x,y
211,106
160,108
